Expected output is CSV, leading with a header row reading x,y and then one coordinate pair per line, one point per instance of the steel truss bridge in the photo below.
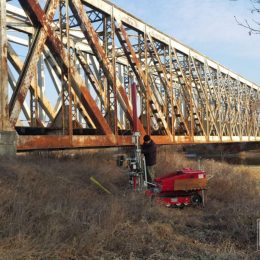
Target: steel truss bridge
x,y
66,72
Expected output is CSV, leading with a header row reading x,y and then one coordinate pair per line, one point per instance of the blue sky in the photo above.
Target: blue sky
x,y
207,26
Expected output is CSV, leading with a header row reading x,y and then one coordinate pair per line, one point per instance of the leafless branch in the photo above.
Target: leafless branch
x,y
252,29
255,9
256,22
246,24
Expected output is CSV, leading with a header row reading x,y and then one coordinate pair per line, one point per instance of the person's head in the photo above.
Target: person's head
x,y
147,139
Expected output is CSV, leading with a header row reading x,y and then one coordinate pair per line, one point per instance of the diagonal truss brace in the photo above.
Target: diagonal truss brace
x,y
56,46
136,66
25,78
92,37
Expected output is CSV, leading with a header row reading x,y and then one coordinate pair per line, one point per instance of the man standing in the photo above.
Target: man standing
x,y
149,151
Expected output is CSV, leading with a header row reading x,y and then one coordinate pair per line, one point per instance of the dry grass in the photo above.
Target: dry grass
x,y
49,209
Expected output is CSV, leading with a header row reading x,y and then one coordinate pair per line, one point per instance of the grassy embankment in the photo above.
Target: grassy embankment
x,y
49,209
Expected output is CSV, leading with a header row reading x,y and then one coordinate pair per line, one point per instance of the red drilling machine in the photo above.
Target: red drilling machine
x,y
181,188
178,189
185,187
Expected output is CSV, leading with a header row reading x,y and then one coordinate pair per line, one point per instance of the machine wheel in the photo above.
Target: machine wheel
x,y
196,199
181,206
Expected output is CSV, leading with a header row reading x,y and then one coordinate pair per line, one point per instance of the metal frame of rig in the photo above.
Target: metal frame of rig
x,y
67,67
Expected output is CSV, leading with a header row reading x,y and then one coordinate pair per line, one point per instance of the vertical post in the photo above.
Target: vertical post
x,y
148,119
207,109
172,92
41,84
134,103
220,116
192,114
114,73
4,114
67,124
70,126
7,136
61,23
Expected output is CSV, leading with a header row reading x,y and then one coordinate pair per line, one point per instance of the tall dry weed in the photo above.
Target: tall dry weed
x,y
50,209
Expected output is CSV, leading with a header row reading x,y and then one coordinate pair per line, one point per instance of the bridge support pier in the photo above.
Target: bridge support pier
x,y
7,143
7,134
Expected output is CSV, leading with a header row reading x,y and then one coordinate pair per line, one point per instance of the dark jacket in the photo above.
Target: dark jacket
x,y
149,151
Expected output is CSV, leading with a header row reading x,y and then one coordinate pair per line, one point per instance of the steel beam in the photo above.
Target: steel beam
x,y
90,34
56,46
4,113
32,58
18,65
185,97
137,68
25,108
130,20
7,135
57,142
55,73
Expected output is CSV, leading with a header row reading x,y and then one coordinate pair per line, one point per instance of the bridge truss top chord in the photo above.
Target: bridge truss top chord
x,y
68,66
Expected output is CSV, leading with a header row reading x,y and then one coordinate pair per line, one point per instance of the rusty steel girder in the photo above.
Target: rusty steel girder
x,y
91,52
18,65
56,46
36,49
4,115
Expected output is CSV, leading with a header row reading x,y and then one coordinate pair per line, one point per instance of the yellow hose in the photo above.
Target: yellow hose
x,y
99,185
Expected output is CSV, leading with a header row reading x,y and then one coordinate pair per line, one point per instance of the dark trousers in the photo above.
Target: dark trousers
x,y
150,173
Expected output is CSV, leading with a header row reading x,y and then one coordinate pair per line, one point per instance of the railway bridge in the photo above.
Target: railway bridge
x,y
66,71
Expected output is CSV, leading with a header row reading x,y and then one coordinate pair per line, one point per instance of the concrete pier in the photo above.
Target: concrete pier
x,y
7,143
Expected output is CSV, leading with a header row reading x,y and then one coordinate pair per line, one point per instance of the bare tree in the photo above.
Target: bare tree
x,y
253,26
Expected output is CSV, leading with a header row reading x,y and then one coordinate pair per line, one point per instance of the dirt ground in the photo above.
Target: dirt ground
x,y
50,209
